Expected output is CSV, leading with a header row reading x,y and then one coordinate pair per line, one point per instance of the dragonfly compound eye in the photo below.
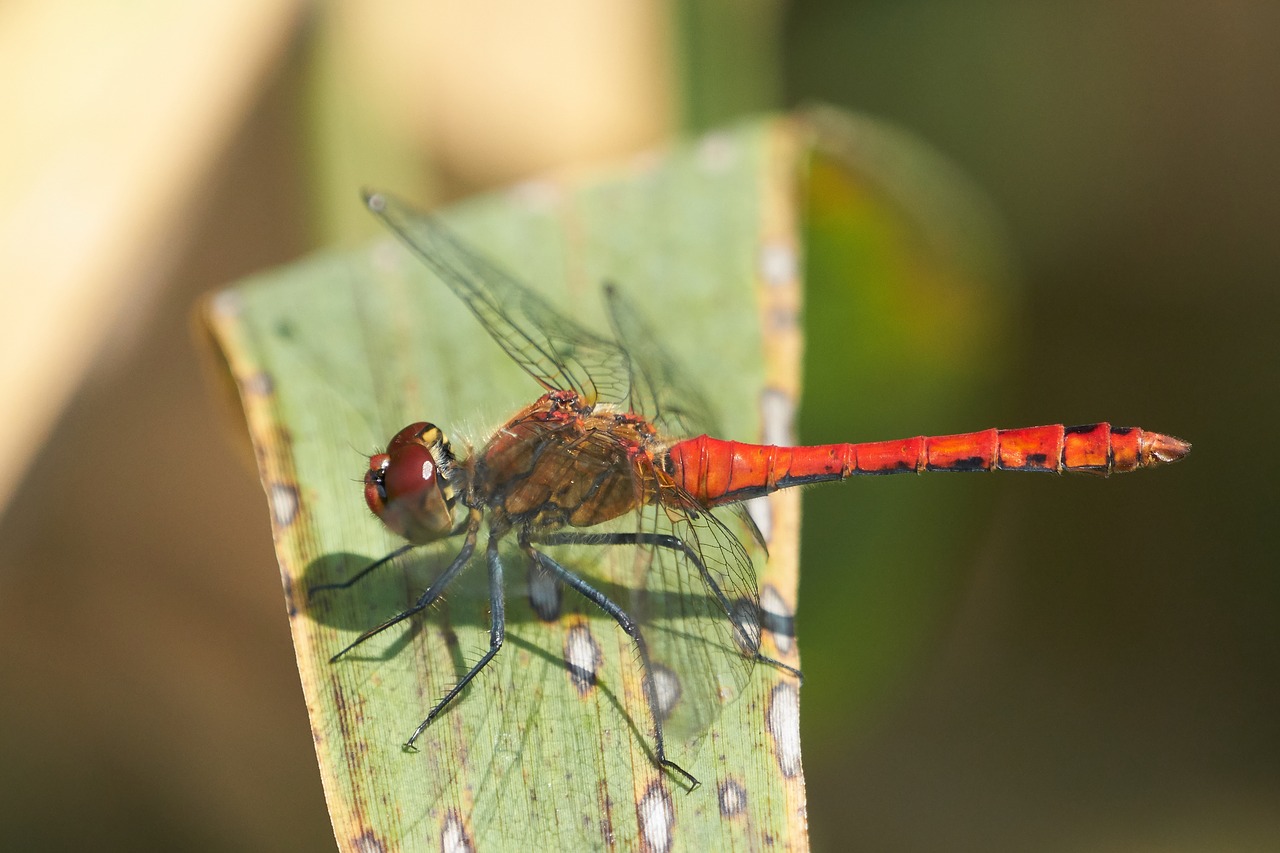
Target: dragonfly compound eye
x,y
410,473
408,486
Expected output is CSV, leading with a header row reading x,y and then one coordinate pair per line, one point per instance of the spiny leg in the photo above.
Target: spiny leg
x,y
674,543
431,593
497,633
632,630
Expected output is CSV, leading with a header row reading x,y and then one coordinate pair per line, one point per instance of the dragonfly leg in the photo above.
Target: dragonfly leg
x,y
497,633
429,596
351,581
674,543
632,630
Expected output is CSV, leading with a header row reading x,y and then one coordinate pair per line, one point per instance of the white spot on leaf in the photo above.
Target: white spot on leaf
x,y
666,686
657,819
453,836
284,504
784,727
778,412
773,606
583,657
733,798
778,265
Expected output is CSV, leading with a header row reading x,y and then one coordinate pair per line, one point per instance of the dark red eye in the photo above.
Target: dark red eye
x,y
411,470
406,488
412,434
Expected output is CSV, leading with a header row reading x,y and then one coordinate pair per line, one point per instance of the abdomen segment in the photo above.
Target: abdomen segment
x,y
721,472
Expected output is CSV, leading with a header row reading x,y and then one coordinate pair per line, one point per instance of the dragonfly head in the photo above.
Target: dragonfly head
x,y
409,487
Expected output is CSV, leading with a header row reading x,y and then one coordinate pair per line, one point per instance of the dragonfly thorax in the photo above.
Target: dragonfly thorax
x,y
410,486
559,463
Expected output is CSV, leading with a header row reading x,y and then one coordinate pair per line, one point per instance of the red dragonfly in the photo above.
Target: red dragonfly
x,y
618,452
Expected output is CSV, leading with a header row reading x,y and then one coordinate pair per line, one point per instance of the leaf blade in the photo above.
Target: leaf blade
x,y
332,351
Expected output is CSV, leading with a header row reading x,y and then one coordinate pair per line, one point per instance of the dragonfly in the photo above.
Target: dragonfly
x,y
620,451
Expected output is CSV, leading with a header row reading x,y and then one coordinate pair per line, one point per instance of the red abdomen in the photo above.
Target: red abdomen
x,y
721,472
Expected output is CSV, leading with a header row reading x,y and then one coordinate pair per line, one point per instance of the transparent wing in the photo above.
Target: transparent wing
x,y
702,609
660,390
699,611
554,350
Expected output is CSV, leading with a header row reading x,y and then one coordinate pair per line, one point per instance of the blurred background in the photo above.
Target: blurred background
x,y
1004,663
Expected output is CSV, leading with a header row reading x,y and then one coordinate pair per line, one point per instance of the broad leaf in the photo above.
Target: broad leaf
x,y
334,354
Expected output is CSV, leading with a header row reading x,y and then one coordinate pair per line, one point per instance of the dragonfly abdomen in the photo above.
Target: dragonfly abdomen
x,y
721,472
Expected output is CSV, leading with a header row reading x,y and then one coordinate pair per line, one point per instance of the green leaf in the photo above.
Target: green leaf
x,y
334,354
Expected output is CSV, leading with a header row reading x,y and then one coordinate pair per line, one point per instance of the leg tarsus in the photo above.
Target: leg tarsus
x,y
668,764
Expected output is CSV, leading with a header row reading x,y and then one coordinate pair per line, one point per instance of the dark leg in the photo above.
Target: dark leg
x,y
403,549
432,592
632,630
497,632
663,540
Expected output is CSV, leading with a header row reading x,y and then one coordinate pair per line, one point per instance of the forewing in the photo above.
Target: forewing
x,y
666,395
557,352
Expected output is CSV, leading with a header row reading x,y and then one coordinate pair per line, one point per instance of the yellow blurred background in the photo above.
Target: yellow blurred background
x,y
1103,674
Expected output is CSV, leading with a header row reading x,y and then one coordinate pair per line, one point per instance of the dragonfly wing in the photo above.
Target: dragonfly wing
x,y
660,390
700,613
557,352
666,395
